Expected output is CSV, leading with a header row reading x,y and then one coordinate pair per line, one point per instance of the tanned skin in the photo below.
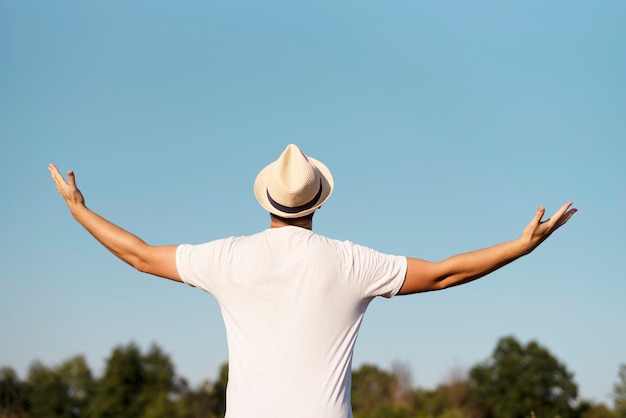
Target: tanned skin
x,y
421,275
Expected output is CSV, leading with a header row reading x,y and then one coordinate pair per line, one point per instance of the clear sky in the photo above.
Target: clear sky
x,y
445,124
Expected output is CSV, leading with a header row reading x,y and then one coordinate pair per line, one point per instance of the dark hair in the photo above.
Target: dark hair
x,y
294,221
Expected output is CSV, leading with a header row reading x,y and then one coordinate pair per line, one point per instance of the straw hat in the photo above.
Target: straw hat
x,y
295,185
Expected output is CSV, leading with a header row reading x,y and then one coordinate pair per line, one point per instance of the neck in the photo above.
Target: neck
x,y
301,223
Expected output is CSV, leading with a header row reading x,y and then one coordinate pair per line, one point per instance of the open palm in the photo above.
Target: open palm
x,y
67,189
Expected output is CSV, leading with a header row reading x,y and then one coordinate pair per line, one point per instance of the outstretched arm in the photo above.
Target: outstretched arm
x,y
156,260
424,276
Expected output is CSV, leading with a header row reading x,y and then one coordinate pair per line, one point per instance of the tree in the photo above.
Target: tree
x,y
520,380
619,393
454,398
403,393
196,403
48,394
207,401
79,383
380,394
160,384
117,391
61,391
371,387
135,386
218,393
13,398
587,409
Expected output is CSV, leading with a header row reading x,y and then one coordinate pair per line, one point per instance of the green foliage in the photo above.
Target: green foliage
x,y
160,406
13,397
78,382
218,394
207,401
619,393
59,392
591,410
196,403
384,410
380,394
135,385
50,396
371,387
519,380
449,400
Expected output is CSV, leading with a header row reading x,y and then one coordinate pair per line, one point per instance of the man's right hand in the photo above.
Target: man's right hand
x,y
156,260
67,189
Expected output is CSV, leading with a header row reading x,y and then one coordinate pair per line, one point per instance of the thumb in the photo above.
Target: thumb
x,y
71,178
539,214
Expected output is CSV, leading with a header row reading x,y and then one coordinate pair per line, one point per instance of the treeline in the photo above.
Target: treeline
x,y
517,381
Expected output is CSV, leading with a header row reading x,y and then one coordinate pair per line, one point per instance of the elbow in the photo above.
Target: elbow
x,y
141,266
133,260
440,285
443,283
137,263
138,259
456,279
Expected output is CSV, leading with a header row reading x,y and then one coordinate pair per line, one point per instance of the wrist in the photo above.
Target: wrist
x,y
524,245
76,209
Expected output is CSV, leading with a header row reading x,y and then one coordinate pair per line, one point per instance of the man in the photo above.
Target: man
x,y
292,300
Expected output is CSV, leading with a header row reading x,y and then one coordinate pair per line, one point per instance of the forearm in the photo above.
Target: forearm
x,y
464,268
126,246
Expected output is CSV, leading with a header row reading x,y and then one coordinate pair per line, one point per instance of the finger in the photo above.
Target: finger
x,y
54,171
59,181
538,215
56,175
566,216
559,213
71,178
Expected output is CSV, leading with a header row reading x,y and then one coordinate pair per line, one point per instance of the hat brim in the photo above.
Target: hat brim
x,y
260,190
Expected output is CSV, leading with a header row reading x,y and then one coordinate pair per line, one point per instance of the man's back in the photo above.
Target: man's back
x,y
292,302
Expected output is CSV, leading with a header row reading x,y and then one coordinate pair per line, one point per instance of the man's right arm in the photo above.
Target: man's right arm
x,y
156,260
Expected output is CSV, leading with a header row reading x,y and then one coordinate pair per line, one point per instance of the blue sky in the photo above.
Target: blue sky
x,y
445,124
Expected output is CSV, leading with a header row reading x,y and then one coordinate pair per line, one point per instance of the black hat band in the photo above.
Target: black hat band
x,y
289,209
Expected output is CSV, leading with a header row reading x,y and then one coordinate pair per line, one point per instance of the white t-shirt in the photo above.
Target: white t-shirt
x,y
292,303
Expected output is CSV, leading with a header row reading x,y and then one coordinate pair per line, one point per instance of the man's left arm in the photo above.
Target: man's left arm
x,y
425,276
156,260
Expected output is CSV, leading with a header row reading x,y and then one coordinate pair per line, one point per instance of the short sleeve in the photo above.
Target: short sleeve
x,y
195,264
380,274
